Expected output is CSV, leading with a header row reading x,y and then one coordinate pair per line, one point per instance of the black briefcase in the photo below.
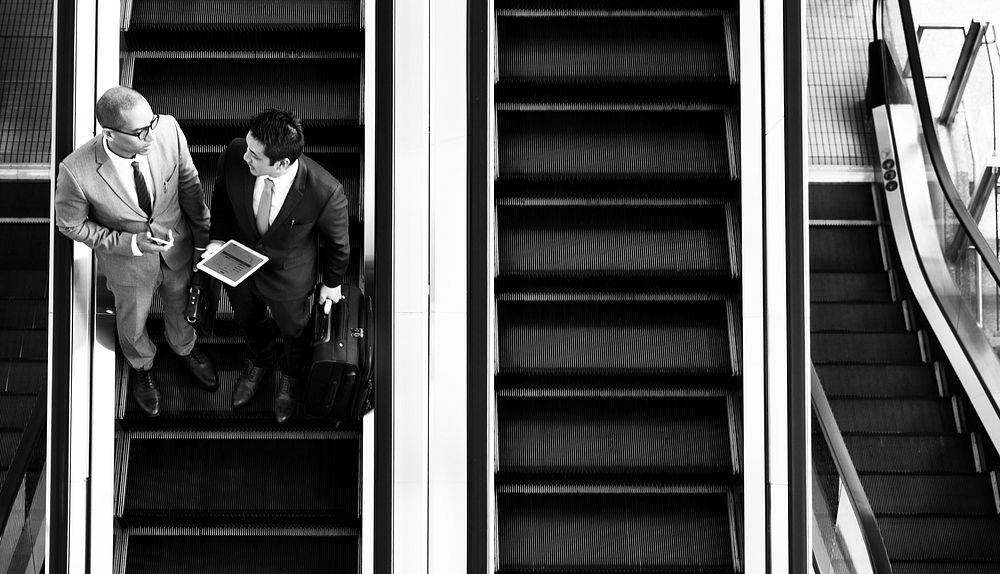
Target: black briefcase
x,y
203,300
339,384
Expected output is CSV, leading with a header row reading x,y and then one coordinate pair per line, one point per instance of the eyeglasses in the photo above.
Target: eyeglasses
x,y
141,133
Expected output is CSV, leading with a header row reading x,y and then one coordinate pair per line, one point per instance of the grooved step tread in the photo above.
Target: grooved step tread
x,y
24,246
900,494
613,145
942,538
24,283
221,92
928,454
621,241
241,554
24,198
614,532
850,201
866,348
849,286
232,477
614,435
25,344
897,416
234,14
24,314
544,337
878,380
845,249
23,377
867,317
605,50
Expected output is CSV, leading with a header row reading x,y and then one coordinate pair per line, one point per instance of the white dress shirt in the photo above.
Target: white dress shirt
x,y
279,192
123,166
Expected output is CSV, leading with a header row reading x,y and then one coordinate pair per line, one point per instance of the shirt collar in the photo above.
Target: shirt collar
x,y
285,180
122,161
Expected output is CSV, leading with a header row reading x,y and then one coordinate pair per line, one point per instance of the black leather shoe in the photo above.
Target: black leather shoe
x,y
145,392
246,387
202,370
284,403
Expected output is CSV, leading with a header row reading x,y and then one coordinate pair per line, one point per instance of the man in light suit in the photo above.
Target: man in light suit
x,y
271,198
132,194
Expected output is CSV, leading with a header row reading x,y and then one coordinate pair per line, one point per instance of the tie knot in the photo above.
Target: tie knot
x,y
135,165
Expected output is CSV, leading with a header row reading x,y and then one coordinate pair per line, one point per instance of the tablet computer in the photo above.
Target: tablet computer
x,y
233,263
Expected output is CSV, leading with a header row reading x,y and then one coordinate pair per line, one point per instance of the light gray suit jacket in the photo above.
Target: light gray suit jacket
x,y
92,206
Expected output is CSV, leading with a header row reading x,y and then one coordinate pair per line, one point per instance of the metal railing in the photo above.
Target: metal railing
x,y
846,537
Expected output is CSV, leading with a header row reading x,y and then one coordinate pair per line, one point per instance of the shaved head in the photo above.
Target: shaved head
x,y
114,104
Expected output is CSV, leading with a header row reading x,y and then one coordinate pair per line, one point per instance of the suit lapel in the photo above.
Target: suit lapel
x,y
295,193
107,171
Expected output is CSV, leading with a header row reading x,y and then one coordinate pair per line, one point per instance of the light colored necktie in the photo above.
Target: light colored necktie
x,y
264,207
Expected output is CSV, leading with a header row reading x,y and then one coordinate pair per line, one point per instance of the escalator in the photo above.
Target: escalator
x,y
202,488
911,434
617,201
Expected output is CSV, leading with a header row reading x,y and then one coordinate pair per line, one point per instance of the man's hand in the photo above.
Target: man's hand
x,y
149,244
328,296
212,247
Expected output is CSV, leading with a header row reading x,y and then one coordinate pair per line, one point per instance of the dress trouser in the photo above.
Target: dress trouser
x,y
132,304
289,319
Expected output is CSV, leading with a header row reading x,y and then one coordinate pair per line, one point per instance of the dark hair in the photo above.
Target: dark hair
x,y
115,102
280,132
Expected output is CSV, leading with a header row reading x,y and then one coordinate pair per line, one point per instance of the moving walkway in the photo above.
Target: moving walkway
x,y
618,395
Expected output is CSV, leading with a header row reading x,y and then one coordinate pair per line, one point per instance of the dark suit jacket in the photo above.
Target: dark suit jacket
x,y
316,206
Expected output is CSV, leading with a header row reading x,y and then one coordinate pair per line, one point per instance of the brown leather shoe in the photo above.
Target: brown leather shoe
x,y
246,387
201,369
145,392
284,403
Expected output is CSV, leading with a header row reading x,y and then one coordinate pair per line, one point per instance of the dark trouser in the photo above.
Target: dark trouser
x,y
289,319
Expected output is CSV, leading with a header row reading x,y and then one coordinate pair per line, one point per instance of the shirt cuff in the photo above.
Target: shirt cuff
x,y
135,245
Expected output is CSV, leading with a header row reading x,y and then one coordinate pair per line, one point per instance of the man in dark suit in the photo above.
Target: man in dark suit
x,y
271,198
132,194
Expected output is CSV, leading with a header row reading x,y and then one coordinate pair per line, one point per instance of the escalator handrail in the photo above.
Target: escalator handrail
x,y
933,145
878,556
18,470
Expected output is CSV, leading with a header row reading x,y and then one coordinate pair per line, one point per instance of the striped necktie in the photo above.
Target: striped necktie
x,y
141,191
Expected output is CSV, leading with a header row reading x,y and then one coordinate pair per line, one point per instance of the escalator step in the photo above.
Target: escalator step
x,y
898,494
878,380
870,317
24,283
9,439
942,538
601,6
896,416
930,454
588,337
614,533
24,246
844,201
24,198
27,344
866,348
181,398
15,410
582,50
23,377
614,435
228,91
251,16
833,287
193,554
902,567
30,314
844,249
620,241
614,144
230,477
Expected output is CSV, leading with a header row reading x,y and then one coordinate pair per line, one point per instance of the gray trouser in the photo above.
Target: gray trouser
x,y
132,304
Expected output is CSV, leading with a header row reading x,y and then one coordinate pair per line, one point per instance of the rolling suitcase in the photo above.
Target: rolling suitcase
x,y
339,384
